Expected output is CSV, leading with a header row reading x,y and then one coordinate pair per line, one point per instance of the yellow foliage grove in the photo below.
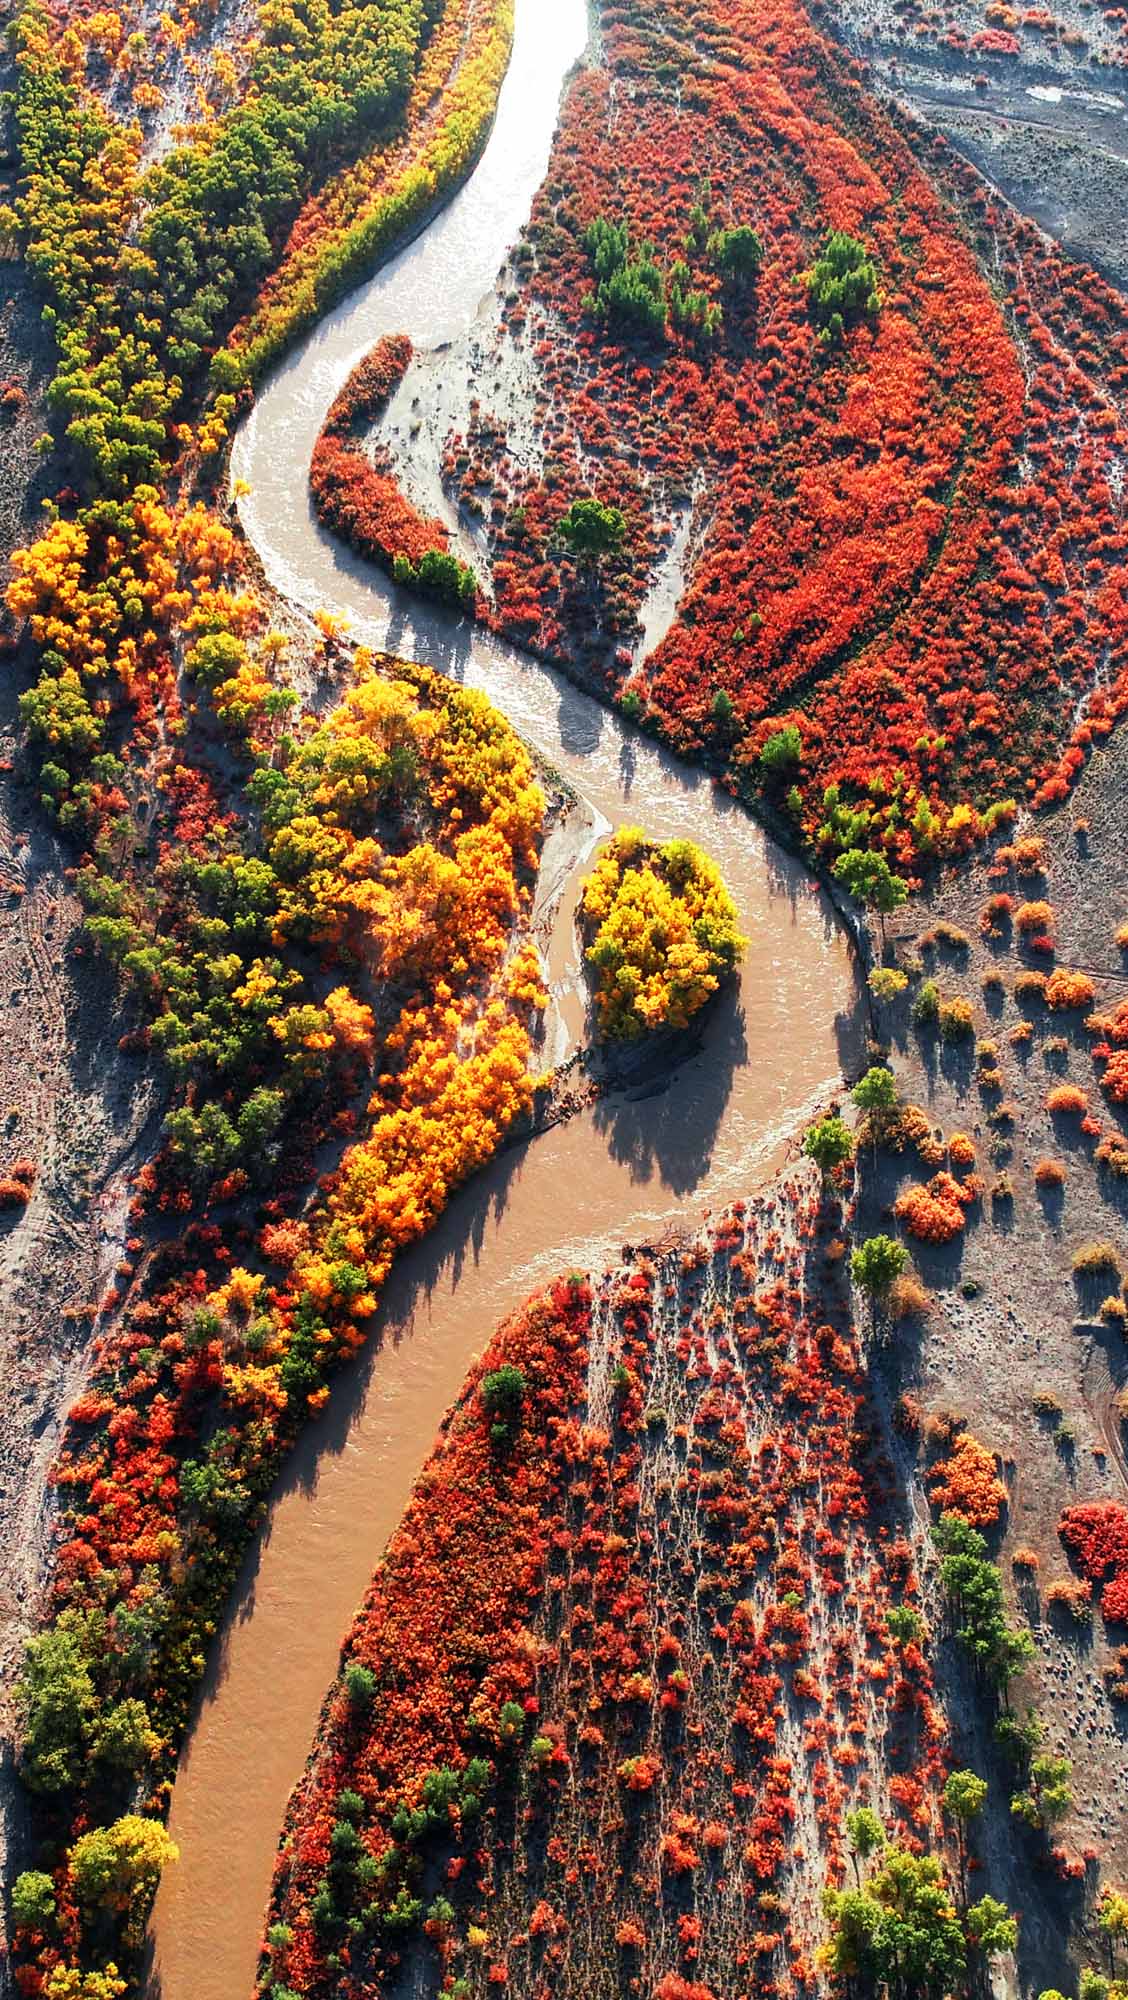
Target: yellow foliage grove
x,y
436,921
662,933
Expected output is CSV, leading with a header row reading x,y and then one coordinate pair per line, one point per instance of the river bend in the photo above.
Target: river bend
x,y
618,1172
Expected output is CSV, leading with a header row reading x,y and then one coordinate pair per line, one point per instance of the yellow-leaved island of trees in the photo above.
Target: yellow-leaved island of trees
x,y
661,931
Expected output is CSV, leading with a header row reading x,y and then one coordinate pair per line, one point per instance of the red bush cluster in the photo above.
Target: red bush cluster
x,y
587,1678
1110,1050
897,549
1096,1536
353,490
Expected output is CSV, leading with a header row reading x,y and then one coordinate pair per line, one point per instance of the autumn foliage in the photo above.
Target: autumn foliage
x,y
319,918
936,1211
661,932
894,553
1096,1536
588,1683
398,840
353,488
966,1483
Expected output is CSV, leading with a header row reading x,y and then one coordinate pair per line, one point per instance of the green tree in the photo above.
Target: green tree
x,y
1017,1739
926,1007
691,310
842,287
901,1933
965,1795
205,1143
722,714
1049,1794
876,1263
865,1835
33,1900
56,713
607,244
360,1686
991,1929
441,576
124,1739
904,1624
117,1868
781,755
830,1144
592,529
887,984
57,1700
630,292
875,1094
503,1394
869,879
510,1723
737,254
975,1592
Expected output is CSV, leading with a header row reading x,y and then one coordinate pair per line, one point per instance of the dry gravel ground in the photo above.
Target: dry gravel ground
x,y
1010,1320
1048,126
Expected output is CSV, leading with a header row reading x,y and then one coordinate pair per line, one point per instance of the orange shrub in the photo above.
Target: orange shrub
x,y
1066,1097
996,914
1030,986
934,1213
1029,855
1032,918
1114,1082
1065,989
1113,1026
1073,1598
967,1483
908,1298
1049,1174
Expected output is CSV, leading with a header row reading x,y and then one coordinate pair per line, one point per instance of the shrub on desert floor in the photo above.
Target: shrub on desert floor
x,y
935,1212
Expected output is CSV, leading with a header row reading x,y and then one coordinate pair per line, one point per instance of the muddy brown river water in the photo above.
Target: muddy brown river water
x,y
623,1171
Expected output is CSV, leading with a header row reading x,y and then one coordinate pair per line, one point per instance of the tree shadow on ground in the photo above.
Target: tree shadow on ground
x,y
663,1118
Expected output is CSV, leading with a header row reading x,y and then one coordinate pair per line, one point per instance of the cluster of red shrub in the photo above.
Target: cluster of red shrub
x,y
623,1644
1096,1536
909,546
1110,1050
353,489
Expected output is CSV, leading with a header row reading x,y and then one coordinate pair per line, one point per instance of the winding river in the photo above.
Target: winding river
x,y
624,1170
